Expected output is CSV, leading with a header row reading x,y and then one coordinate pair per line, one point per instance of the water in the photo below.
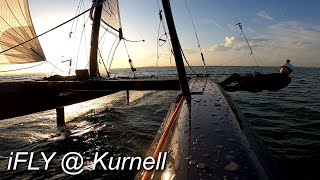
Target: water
x,y
288,121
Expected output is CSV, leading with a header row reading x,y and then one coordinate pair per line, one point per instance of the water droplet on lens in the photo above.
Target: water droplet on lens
x,y
188,157
201,166
229,157
219,146
192,162
205,155
232,166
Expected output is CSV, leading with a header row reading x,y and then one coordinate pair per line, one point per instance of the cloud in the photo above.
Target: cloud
x,y
212,21
190,51
264,15
302,44
316,28
231,43
294,40
294,34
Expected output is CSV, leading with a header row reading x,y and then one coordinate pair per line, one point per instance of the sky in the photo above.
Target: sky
x,y
276,30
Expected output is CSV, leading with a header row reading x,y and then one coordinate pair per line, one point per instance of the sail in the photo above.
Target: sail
x,y
15,28
110,14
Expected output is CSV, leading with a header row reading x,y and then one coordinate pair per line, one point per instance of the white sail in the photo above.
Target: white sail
x,y
110,15
15,28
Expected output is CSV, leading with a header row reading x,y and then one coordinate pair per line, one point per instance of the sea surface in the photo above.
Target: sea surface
x,y
288,122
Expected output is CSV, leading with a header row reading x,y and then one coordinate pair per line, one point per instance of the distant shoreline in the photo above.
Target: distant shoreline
x,y
145,67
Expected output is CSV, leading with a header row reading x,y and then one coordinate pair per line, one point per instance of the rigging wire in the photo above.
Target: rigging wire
x,y
76,20
85,40
245,37
234,59
238,23
196,34
109,62
164,27
73,30
157,62
160,38
130,60
81,37
165,34
105,67
102,42
184,57
79,46
54,68
123,38
112,56
120,37
29,67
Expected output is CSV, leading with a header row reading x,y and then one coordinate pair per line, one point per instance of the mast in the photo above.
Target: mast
x,y
176,50
93,68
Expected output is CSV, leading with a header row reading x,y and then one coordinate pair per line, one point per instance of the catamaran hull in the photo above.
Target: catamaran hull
x,y
26,97
18,99
209,138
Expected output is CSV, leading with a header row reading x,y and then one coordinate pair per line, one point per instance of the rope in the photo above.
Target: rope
x,y
234,59
185,59
11,70
196,34
53,28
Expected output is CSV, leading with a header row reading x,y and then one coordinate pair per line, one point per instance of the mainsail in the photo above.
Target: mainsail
x,y
110,15
15,28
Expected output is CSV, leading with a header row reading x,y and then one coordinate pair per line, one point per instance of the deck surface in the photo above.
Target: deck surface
x,y
208,141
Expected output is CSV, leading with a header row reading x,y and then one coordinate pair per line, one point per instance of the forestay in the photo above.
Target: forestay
x,y
15,28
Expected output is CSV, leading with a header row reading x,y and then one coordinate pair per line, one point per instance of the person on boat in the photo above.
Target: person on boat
x,y
286,68
258,82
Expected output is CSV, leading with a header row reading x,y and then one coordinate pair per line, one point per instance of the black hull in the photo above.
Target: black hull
x,y
209,138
